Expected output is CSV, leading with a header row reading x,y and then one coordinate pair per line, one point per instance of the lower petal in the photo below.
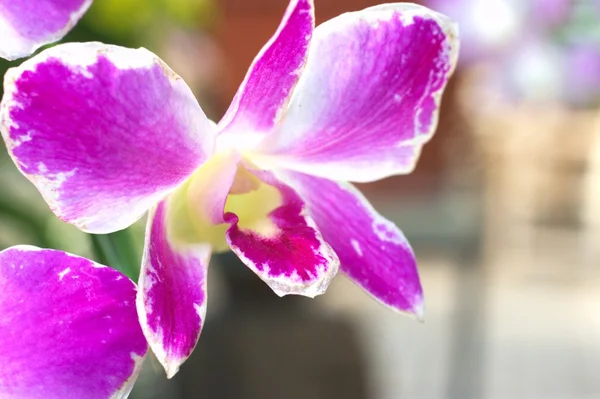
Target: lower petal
x,y
172,293
68,327
272,234
373,252
27,25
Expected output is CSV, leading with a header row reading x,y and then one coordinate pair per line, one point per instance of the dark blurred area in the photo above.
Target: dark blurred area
x,y
501,211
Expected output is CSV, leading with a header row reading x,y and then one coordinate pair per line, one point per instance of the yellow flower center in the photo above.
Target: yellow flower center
x,y
192,208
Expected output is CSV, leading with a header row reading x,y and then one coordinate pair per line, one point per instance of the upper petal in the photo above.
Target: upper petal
x,y
373,252
369,95
171,299
274,236
266,89
27,25
103,132
68,327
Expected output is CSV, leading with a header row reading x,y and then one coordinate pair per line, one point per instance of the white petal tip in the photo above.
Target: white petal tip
x,y
308,291
311,289
419,311
171,369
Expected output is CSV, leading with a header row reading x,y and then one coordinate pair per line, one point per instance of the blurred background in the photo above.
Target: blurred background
x,y
500,210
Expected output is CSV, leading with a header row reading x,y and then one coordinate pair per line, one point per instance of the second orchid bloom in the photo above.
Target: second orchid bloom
x,y
107,133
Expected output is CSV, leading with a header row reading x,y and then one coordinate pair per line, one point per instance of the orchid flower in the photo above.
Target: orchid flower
x,y
107,133
25,26
68,327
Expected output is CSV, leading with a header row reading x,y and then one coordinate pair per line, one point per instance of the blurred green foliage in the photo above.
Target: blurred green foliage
x,y
126,18
582,27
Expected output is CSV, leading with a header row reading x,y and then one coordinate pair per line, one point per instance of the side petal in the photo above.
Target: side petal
x,y
368,98
68,327
102,131
373,252
171,299
272,234
27,25
266,89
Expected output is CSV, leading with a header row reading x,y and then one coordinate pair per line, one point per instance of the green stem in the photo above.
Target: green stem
x,y
33,222
117,250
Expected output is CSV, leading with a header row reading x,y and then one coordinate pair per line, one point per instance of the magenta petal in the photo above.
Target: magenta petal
x,y
373,252
68,327
266,89
290,256
369,95
27,25
172,293
103,132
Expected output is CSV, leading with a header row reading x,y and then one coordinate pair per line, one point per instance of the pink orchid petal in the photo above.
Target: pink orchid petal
x,y
292,258
172,293
103,132
266,89
369,95
373,252
27,25
68,327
